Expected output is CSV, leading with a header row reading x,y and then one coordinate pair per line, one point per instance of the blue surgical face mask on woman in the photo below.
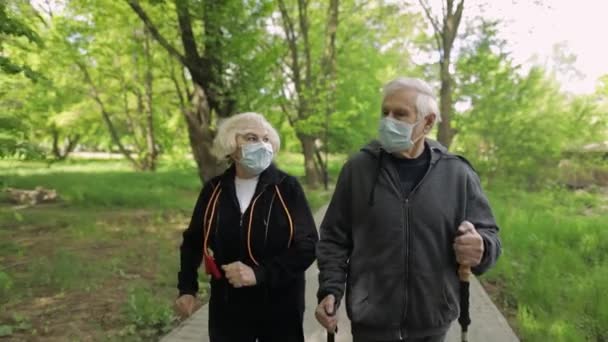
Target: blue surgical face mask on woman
x,y
395,135
256,157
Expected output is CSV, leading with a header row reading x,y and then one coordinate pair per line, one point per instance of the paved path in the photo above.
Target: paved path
x,y
488,323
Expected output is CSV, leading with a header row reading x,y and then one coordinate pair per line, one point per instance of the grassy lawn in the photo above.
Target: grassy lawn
x,y
101,263
552,277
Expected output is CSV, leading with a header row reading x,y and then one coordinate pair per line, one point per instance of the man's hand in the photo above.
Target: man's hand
x,y
239,274
468,246
326,315
186,305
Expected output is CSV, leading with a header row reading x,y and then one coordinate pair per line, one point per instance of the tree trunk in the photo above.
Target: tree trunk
x,y
446,132
311,93
329,65
200,136
56,151
209,94
62,153
151,153
308,147
445,34
107,117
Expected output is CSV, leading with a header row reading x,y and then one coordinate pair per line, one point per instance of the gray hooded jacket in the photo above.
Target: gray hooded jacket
x,y
395,254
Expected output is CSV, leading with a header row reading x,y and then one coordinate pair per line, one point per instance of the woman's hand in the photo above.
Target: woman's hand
x,y
239,274
186,305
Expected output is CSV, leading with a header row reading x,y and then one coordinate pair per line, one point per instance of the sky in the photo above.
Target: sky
x,y
531,28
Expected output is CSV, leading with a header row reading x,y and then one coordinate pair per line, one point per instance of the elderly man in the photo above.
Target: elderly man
x,y
405,214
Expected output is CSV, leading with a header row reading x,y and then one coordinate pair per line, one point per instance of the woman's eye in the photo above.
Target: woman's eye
x,y
252,139
265,139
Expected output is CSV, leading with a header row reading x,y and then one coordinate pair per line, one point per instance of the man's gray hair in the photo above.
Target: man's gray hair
x,y
425,100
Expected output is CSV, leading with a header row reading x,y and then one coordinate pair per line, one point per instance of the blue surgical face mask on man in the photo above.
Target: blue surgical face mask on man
x,y
256,157
395,135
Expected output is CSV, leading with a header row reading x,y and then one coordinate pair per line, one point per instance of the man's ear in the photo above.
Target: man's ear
x,y
429,122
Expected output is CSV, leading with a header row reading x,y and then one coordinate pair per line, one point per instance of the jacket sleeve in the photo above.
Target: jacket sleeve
x,y
191,250
479,213
335,246
282,269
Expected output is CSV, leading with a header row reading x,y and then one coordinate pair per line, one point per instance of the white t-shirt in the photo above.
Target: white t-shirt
x,y
245,189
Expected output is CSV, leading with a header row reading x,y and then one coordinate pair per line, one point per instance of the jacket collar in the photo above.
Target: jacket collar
x,y
270,176
437,150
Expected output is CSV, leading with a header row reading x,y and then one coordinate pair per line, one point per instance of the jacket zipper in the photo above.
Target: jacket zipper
x,y
407,265
253,198
407,234
267,221
394,179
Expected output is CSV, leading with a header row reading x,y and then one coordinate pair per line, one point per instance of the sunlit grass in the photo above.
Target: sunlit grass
x,y
113,237
555,263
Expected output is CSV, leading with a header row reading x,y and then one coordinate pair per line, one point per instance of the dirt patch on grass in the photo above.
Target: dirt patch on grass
x,y
77,274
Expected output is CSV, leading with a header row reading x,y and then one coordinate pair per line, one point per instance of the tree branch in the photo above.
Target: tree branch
x,y
187,35
427,10
154,31
328,61
178,89
303,19
456,20
436,28
292,121
292,43
105,114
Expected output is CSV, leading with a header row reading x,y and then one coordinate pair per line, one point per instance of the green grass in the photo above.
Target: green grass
x,y
103,260
106,183
293,164
111,183
554,268
110,248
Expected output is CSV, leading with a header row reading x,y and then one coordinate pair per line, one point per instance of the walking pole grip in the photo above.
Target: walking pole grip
x,y
331,336
464,273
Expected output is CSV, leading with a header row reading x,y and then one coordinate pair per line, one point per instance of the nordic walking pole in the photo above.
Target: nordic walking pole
x,y
464,273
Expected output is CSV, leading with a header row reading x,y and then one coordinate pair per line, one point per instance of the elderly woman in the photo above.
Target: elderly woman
x,y
254,230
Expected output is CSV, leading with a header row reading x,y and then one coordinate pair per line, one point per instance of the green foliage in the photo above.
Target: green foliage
x,y
12,28
147,312
65,270
6,284
6,330
518,123
374,44
554,262
18,324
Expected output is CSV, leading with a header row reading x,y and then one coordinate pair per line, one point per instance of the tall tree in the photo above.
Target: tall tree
x,y
120,78
510,111
214,61
312,80
445,32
